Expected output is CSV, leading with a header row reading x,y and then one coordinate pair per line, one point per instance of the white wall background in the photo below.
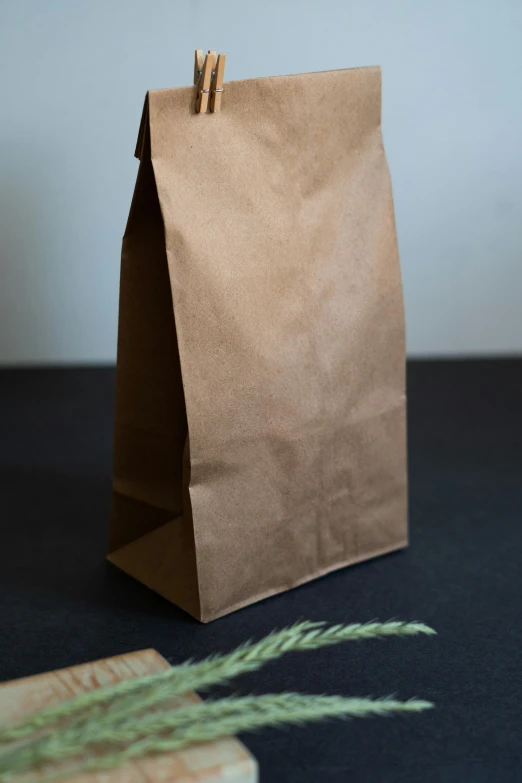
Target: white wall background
x,y
73,74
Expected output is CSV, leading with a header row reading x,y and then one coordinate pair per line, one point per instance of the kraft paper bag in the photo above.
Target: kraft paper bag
x,y
260,404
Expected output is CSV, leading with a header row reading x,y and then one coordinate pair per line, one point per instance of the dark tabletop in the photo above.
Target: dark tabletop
x,y
61,604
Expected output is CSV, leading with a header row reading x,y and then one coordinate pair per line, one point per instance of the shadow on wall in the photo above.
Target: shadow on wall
x,y
30,218
59,250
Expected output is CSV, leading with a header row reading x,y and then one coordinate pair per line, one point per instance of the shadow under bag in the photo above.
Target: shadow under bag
x,y
260,404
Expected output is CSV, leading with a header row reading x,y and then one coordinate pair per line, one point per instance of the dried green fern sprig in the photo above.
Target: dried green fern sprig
x,y
175,729
140,693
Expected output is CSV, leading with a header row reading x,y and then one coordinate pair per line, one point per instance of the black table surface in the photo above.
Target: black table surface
x,y
62,604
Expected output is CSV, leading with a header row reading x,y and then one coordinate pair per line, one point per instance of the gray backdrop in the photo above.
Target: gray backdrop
x,y
73,74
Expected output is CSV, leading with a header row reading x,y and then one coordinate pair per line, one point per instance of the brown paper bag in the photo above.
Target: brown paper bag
x,y
260,406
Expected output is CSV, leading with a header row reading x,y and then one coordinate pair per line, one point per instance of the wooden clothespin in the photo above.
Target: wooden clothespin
x,y
204,79
208,78
216,89
198,65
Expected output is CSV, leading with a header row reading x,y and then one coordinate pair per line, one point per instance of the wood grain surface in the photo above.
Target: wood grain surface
x,y
212,762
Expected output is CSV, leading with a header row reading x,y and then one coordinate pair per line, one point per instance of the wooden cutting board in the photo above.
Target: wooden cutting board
x,y
219,761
